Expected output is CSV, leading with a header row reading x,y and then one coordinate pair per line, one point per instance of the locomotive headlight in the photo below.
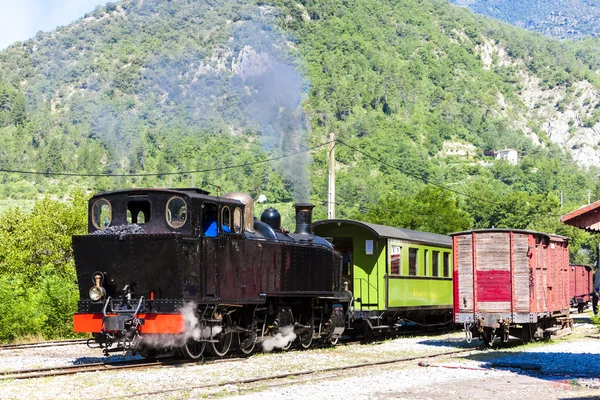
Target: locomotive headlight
x,y
97,292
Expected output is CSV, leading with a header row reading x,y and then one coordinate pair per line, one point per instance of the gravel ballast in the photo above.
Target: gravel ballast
x,y
567,369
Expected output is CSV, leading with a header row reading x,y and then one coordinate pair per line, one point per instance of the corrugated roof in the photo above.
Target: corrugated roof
x,y
586,217
383,231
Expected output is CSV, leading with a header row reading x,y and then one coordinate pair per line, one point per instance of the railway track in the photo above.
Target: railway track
x,y
54,343
109,366
306,375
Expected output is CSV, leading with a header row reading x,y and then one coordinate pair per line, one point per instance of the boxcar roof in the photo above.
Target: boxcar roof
x,y
509,230
390,232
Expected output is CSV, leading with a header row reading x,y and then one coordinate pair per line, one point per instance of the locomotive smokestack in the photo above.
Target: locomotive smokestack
x,y
304,218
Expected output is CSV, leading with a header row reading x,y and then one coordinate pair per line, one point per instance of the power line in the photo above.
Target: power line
x,y
13,171
425,180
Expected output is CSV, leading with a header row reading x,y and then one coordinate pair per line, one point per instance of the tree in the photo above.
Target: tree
x,y
432,209
18,113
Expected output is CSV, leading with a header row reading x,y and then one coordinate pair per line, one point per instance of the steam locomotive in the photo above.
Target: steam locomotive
x,y
179,269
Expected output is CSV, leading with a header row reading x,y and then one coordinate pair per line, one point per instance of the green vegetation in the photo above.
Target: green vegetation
x,y
557,18
226,90
38,289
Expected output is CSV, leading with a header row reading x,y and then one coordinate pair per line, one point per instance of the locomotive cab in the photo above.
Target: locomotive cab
x,y
163,212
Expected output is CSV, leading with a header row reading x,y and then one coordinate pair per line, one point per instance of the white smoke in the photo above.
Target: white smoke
x,y
192,329
281,339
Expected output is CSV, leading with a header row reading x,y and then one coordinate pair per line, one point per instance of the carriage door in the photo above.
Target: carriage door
x,y
346,249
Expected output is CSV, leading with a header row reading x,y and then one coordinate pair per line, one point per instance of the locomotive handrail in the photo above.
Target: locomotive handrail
x,y
108,299
135,313
359,297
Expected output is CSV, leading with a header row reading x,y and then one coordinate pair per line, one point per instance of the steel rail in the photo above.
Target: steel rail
x,y
54,343
300,373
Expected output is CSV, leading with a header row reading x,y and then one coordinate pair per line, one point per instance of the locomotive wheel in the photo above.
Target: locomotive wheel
x,y
305,338
287,346
223,339
193,349
246,341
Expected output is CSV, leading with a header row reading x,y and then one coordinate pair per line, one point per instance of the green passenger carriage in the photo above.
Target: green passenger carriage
x,y
397,276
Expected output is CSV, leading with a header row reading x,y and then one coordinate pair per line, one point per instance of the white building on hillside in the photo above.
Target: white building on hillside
x,y
509,155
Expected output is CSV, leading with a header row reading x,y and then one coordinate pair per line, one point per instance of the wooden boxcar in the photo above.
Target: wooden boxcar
x,y
510,282
398,276
581,284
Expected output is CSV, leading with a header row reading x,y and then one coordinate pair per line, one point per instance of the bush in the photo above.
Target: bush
x,y
56,299
19,315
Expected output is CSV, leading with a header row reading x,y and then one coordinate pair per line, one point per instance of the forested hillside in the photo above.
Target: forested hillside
x,y
563,19
180,93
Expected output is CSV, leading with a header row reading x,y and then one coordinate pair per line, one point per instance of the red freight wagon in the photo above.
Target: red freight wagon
x,y
581,285
510,282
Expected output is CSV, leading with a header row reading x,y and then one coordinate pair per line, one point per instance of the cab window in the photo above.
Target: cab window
x,y
237,220
176,213
101,214
226,219
138,212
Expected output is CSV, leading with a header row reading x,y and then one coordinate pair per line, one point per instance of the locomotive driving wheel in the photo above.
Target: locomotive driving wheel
x,y
247,340
305,337
193,349
221,342
288,345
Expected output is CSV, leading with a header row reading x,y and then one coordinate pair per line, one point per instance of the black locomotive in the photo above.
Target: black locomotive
x,y
180,269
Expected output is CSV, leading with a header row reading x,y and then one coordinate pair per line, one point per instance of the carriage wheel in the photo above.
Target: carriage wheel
x,y
193,349
223,339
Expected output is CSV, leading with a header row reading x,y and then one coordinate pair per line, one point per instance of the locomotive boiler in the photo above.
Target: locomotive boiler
x,y
177,269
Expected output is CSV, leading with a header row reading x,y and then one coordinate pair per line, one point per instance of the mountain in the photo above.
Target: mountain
x,y
221,93
562,19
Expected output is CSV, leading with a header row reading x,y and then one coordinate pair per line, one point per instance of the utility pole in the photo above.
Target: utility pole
x,y
561,199
331,197
589,195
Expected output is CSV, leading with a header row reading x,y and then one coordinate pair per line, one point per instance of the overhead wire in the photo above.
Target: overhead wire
x,y
226,167
235,166
425,180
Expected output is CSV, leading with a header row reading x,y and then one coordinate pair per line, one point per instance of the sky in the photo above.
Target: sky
x,y
22,19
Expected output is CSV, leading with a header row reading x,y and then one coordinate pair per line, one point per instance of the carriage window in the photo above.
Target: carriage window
x,y
435,260
446,265
138,212
412,261
237,220
426,263
226,219
101,214
395,260
176,212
